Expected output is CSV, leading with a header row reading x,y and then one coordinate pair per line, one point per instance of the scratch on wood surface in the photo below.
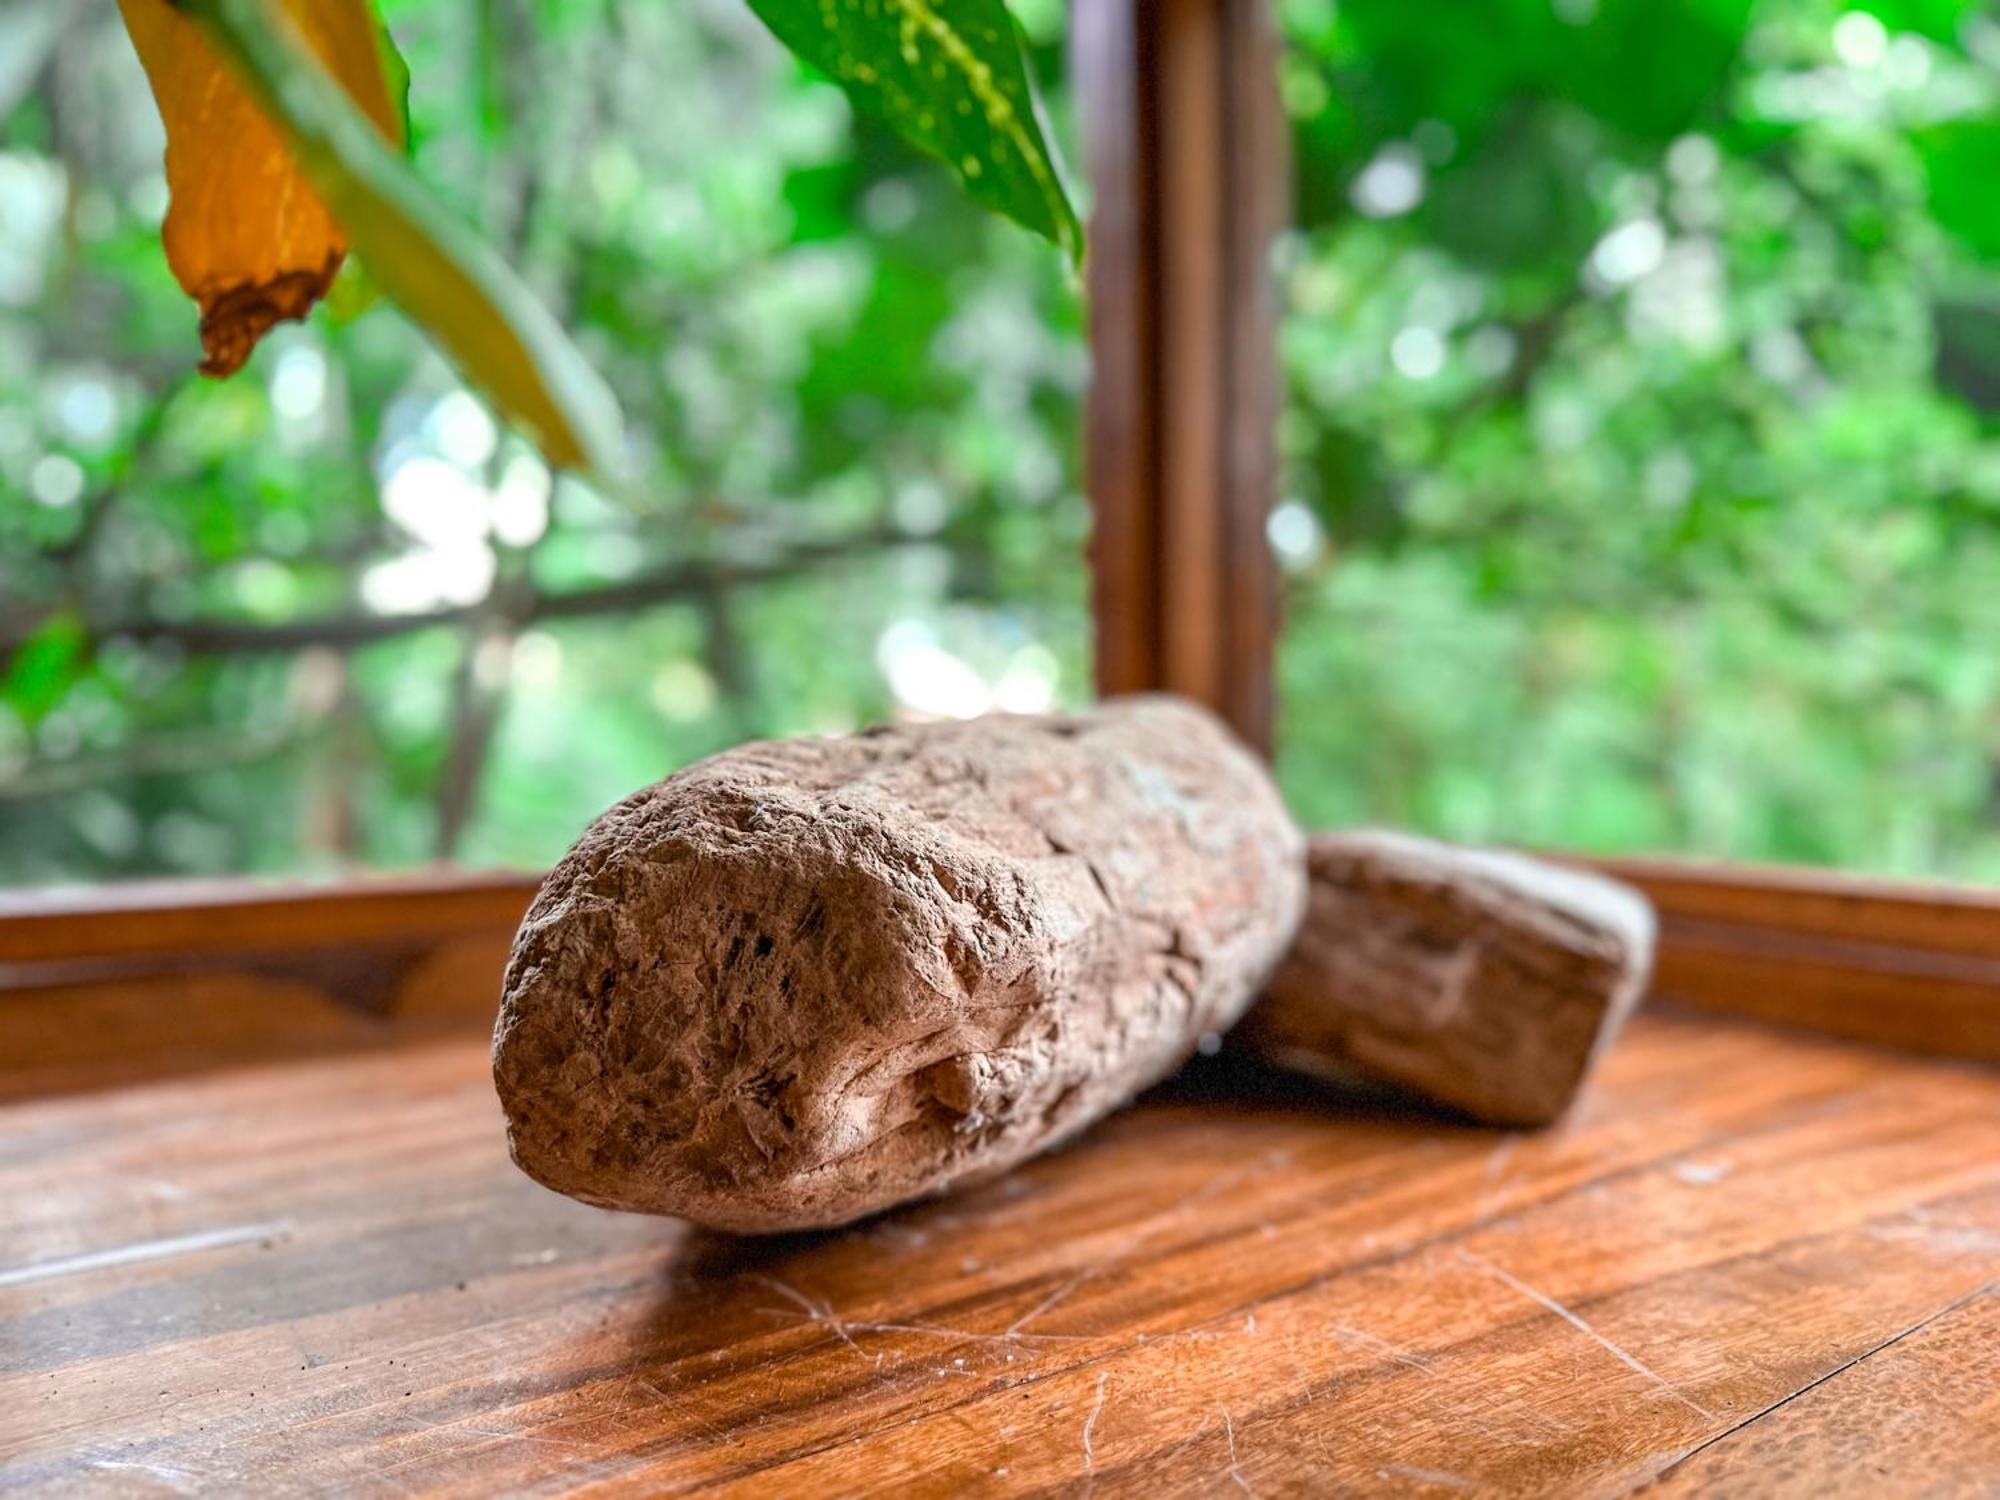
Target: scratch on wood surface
x,y
971,1336
1396,1352
589,1460
1050,1301
1499,1273
1090,1423
822,1314
1220,1183
1701,1173
635,1379
1167,1458
680,1406
178,1480
144,1250
816,1312
463,1427
1439,1477
509,1437
1492,1184
1923,1228
1235,1474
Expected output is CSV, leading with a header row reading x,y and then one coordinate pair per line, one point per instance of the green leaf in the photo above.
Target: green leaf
x,y
396,70
1961,164
950,77
353,292
43,666
439,271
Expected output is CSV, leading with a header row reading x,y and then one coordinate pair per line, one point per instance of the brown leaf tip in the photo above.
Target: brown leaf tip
x,y
235,319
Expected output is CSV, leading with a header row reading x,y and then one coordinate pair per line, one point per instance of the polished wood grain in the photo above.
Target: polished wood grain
x,y
1833,904
1900,964
1114,66
108,1031
121,984
1187,145
196,918
1751,1263
1258,207
1899,1418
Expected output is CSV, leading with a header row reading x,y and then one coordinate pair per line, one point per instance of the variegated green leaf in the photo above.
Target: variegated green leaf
x,y
950,76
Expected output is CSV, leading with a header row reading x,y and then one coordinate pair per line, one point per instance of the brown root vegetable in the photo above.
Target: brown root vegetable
x,y
1487,981
805,980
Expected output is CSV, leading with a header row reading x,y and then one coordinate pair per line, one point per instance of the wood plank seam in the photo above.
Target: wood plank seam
x,y
1966,1299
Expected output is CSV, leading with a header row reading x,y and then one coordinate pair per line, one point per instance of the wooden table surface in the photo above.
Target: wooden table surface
x,y
1751,1263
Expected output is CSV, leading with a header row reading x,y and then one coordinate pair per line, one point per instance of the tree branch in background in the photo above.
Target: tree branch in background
x,y
180,755
350,631
338,749
478,692
490,626
728,660
480,684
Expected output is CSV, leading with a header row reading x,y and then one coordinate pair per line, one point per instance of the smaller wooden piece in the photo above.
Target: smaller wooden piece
x,y
1487,981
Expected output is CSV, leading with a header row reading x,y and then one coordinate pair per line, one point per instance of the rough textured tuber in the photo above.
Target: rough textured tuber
x,y
804,980
1487,981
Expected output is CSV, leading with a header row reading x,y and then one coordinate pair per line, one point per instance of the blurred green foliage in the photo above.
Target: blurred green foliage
x,y
327,614
1643,425
1642,445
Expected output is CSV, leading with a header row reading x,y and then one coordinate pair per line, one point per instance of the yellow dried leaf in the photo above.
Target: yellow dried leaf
x,y
246,235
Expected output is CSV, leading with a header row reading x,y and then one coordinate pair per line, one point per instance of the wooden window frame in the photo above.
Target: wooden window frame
x,y
1186,141
1187,145
1188,155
